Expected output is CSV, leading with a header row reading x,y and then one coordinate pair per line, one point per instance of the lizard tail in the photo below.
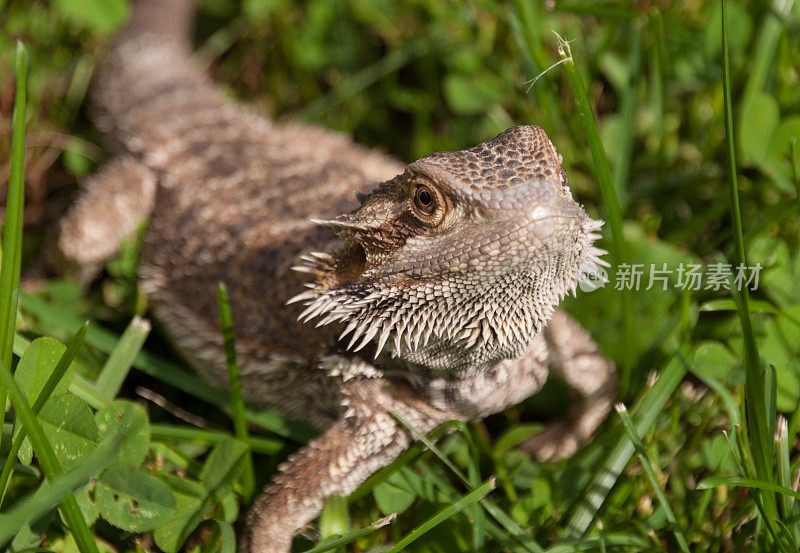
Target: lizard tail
x,y
149,75
165,19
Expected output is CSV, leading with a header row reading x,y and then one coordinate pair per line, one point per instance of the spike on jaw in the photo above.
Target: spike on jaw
x,y
302,296
382,341
350,328
335,225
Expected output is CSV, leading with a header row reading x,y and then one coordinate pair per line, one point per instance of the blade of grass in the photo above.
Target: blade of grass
x,y
740,481
121,359
785,475
353,536
758,306
50,464
403,460
763,59
659,79
202,436
605,476
633,435
54,491
602,172
527,26
794,154
235,390
755,390
449,511
497,513
61,367
477,514
627,110
11,259
596,543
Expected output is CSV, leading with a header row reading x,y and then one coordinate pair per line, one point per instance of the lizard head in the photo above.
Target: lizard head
x,y
459,262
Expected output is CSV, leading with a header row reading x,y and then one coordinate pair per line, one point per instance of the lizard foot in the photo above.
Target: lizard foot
x,y
112,204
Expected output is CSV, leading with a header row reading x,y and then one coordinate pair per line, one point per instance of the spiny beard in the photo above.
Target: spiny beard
x,y
491,320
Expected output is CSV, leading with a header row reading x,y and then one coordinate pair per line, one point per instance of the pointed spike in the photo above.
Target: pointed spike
x,y
302,296
324,256
350,327
333,224
382,341
356,335
368,336
302,269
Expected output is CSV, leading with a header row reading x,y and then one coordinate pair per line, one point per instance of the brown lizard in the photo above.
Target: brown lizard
x,y
437,300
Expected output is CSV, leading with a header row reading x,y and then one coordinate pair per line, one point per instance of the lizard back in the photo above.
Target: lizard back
x,y
233,204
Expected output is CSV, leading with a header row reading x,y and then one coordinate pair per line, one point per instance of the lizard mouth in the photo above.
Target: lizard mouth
x,y
349,265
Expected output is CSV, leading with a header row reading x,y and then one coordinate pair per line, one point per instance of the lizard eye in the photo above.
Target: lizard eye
x,y
424,201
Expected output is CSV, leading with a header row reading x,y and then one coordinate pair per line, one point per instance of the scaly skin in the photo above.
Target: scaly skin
x,y
438,300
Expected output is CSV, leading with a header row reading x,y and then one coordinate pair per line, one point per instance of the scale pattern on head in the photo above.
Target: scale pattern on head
x,y
461,259
512,159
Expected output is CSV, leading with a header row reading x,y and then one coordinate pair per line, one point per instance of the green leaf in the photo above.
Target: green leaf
x,y
95,15
132,499
87,501
758,120
70,428
222,466
713,360
188,495
36,365
133,418
780,145
223,532
391,496
33,371
75,159
514,436
60,488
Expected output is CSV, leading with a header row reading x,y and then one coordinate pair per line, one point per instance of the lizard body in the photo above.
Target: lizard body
x,y
433,301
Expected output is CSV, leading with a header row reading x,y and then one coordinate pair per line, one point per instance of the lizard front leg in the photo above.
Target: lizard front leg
x,y
575,358
365,439
368,437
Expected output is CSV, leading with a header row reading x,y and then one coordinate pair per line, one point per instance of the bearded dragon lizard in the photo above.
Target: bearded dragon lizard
x,y
436,297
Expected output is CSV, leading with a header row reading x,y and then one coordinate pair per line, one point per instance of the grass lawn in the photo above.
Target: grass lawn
x,y
682,133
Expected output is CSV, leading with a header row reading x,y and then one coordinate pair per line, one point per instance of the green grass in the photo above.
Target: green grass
x,y
682,134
